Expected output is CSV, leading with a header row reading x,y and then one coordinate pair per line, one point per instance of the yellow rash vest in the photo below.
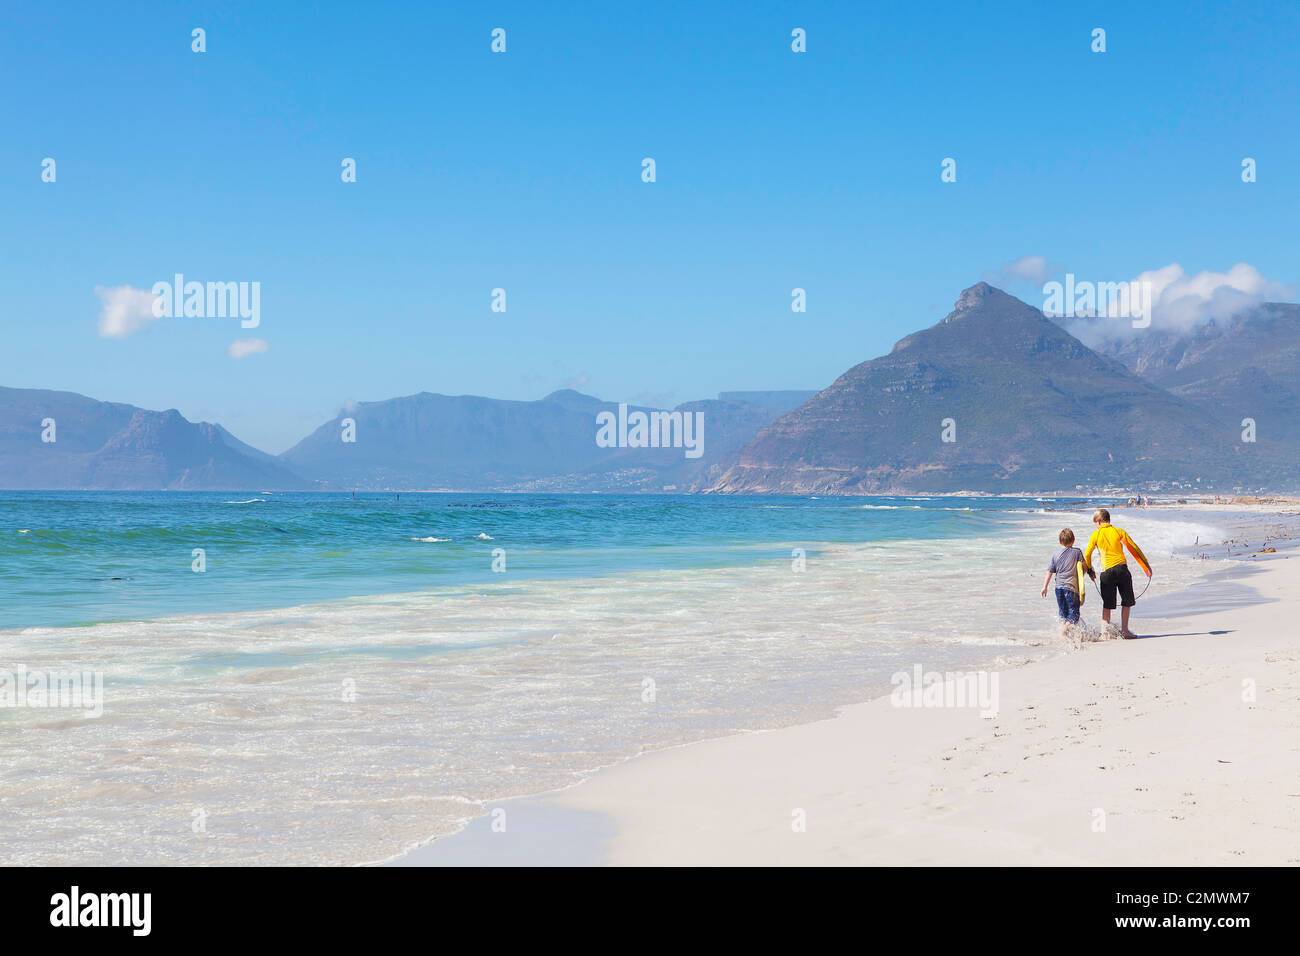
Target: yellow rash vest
x,y
1112,541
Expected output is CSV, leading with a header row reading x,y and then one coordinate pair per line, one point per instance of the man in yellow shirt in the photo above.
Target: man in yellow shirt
x,y
1115,575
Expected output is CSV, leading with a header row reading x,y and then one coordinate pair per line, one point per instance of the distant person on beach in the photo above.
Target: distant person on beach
x,y
1065,566
1116,579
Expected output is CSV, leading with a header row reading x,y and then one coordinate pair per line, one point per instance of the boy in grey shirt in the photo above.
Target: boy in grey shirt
x,y
1064,567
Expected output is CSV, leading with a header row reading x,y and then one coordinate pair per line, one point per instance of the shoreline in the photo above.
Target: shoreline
x,y
412,713
729,800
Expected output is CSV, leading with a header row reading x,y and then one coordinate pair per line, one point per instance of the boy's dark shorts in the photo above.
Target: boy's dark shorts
x,y
1118,579
1067,603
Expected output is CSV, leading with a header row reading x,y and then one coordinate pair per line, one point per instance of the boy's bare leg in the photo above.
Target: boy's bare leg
x,y
1123,617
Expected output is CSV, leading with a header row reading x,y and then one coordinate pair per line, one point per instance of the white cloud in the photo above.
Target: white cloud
x,y
1181,302
242,348
123,311
1034,269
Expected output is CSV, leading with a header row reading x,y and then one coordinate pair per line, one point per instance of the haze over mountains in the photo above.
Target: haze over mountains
x,y
429,442
1027,406
418,442
110,445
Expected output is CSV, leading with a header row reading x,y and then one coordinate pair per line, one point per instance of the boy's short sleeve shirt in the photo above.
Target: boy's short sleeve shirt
x,y
1063,566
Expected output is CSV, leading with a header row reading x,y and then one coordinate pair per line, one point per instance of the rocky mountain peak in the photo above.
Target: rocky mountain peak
x,y
976,297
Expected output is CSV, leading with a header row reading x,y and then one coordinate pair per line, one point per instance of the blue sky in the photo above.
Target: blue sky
x,y
522,170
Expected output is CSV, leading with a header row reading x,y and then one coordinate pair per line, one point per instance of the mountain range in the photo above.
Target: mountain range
x,y
62,440
1022,403
993,397
466,442
1245,367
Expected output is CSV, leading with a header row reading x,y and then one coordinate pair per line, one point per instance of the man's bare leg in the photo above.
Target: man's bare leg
x,y
1105,621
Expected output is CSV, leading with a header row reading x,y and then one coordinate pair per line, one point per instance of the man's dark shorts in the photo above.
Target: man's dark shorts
x,y
1067,603
1118,579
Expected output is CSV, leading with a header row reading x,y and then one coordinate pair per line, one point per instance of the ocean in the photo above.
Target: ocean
x,y
313,678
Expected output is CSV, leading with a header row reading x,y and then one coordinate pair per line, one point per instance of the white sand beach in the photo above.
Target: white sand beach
x,y
1182,747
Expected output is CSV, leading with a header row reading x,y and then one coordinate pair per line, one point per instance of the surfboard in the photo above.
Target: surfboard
x,y
1079,575
1136,553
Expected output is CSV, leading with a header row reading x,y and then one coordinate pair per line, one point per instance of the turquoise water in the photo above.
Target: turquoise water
x,y
349,678
76,558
